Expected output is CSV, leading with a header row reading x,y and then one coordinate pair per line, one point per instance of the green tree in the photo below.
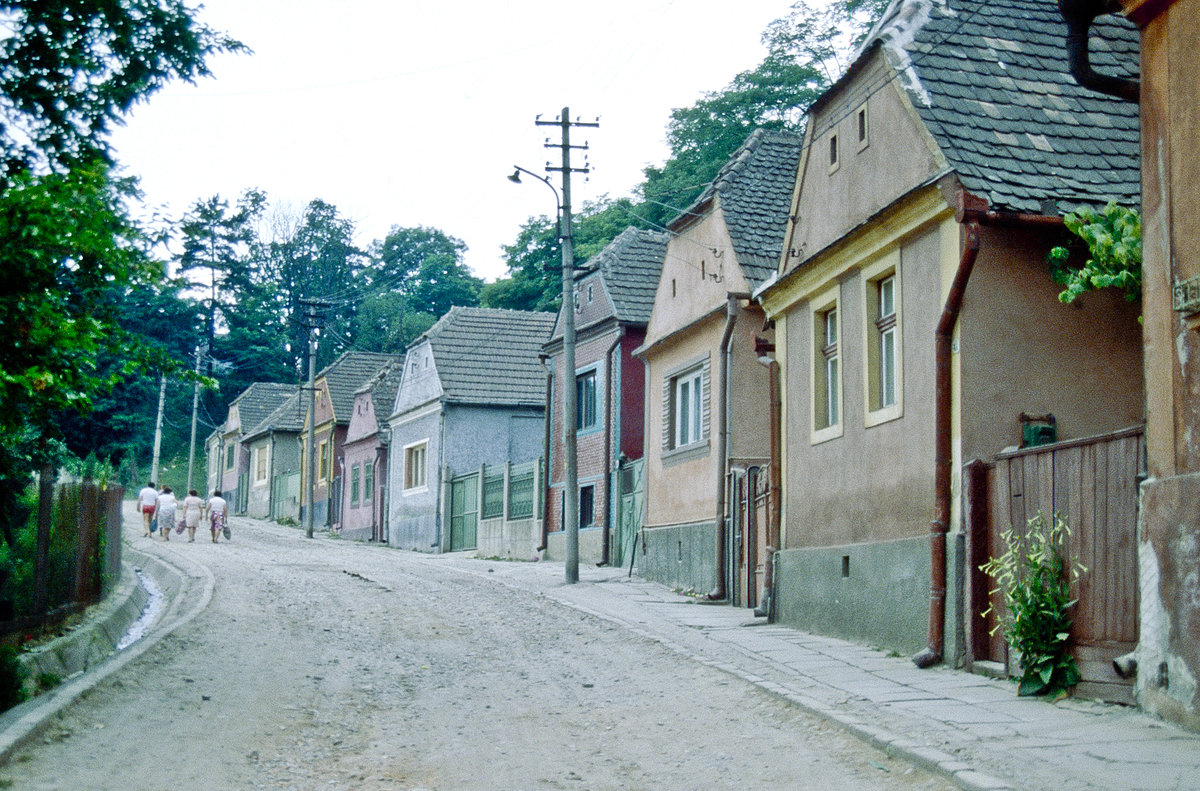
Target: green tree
x,y
1113,238
426,266
70,69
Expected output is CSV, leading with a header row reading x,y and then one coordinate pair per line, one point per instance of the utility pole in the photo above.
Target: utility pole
x,y
162,395
201,352
314,322
570,470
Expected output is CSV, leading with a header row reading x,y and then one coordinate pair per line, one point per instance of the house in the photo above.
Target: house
x,y
707,425
334,389
246,411
614,293
472,396
917,326
1168,653
365,455
274,450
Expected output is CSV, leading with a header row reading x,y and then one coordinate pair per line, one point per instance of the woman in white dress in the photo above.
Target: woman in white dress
x,y
216,514
193,509
166,512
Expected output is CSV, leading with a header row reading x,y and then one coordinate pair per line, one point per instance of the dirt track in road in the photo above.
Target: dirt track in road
x,y
327,664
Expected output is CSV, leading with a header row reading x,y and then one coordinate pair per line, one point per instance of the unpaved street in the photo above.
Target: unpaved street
x,y
326,664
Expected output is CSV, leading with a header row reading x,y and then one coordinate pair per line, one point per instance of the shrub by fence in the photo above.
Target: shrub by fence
x,y
63,557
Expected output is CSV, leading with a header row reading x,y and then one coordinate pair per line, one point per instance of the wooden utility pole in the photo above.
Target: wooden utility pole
x,y
570,470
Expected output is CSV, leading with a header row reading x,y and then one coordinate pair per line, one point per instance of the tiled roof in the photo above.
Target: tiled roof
x,y
630,266
383,386
990,80
754,191
288,416
490,356
346,374
259,400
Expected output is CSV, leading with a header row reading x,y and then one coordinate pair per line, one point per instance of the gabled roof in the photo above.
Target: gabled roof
x,y
288,416
754,191
383,386
991,82
490,356
259,400
630,266
346,374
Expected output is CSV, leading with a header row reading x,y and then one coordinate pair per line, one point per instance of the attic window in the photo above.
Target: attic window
x,y
703,270
589,293
861,124
833,153
672,287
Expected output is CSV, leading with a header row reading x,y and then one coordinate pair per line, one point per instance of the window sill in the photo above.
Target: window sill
x,y
414,490
826,434
885,415
696,450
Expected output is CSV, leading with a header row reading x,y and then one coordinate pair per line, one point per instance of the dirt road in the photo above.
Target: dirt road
x,y
326,664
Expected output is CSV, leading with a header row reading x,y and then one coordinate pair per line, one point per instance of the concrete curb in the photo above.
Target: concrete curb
x,y
87,656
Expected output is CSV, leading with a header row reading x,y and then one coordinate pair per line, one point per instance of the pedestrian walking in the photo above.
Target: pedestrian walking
x,y
147,502
166,512
216,514
193,509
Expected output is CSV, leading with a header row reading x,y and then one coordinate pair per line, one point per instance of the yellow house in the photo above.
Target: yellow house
x,y
916,321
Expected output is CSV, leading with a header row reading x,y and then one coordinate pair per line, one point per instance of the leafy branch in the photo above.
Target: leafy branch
x,y
1114,242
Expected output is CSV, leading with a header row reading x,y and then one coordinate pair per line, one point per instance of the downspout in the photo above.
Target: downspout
x,y
376,523
442,482
732,308
943,350
1079,16
271,479
610,418
546,455
766,357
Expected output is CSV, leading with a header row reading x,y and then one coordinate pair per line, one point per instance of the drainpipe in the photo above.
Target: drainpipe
x,y
609,419
545,481
1079,16
732,308
972,212
765,351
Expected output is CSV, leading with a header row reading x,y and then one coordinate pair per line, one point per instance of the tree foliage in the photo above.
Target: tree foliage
x,y
1113,238
70,69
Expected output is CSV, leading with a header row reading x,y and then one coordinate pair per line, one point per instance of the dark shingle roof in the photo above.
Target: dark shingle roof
x,y
288,416
754,190
346,374
383,386
490,356
259,400
991,82
630,266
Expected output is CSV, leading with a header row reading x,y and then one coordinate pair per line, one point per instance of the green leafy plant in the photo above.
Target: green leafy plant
x,y
47,681
1035,577
1114,242
12,678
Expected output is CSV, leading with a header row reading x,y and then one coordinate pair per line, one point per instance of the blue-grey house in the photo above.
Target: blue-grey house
x,y
472,396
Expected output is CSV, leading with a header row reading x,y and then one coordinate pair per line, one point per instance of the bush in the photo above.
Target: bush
x,y
1035,578
12,678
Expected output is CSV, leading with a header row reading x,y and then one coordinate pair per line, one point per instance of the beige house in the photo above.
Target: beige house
x,y
916,319
706,393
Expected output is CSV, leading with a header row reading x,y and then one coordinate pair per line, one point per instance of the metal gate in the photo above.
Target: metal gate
x,y
631,475
464,512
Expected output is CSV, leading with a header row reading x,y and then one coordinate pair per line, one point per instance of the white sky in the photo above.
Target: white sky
x,y
414,112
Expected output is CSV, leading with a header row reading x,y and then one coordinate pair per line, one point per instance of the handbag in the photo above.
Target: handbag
x,y
226,532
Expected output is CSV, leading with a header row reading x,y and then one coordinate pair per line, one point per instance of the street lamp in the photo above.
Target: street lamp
x,y
571,482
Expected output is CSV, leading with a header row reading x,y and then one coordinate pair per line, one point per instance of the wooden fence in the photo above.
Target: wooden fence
x,y
1093,484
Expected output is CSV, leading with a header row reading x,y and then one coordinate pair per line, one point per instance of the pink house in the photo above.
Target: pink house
x,y
365,455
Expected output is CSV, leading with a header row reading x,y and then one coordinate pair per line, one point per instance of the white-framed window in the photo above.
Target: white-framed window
x,y
355,484
262,460
882,341
827,366
688,408
586,412
415,461
861,127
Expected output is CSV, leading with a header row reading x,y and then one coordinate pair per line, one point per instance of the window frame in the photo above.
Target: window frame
x,y
355,484
874,333
230,456
590,500
323,465
862,126
368,484
582,402
826,381
261,465
693,381
416,475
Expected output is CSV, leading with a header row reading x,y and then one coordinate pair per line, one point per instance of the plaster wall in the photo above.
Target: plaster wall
x,y
414,517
